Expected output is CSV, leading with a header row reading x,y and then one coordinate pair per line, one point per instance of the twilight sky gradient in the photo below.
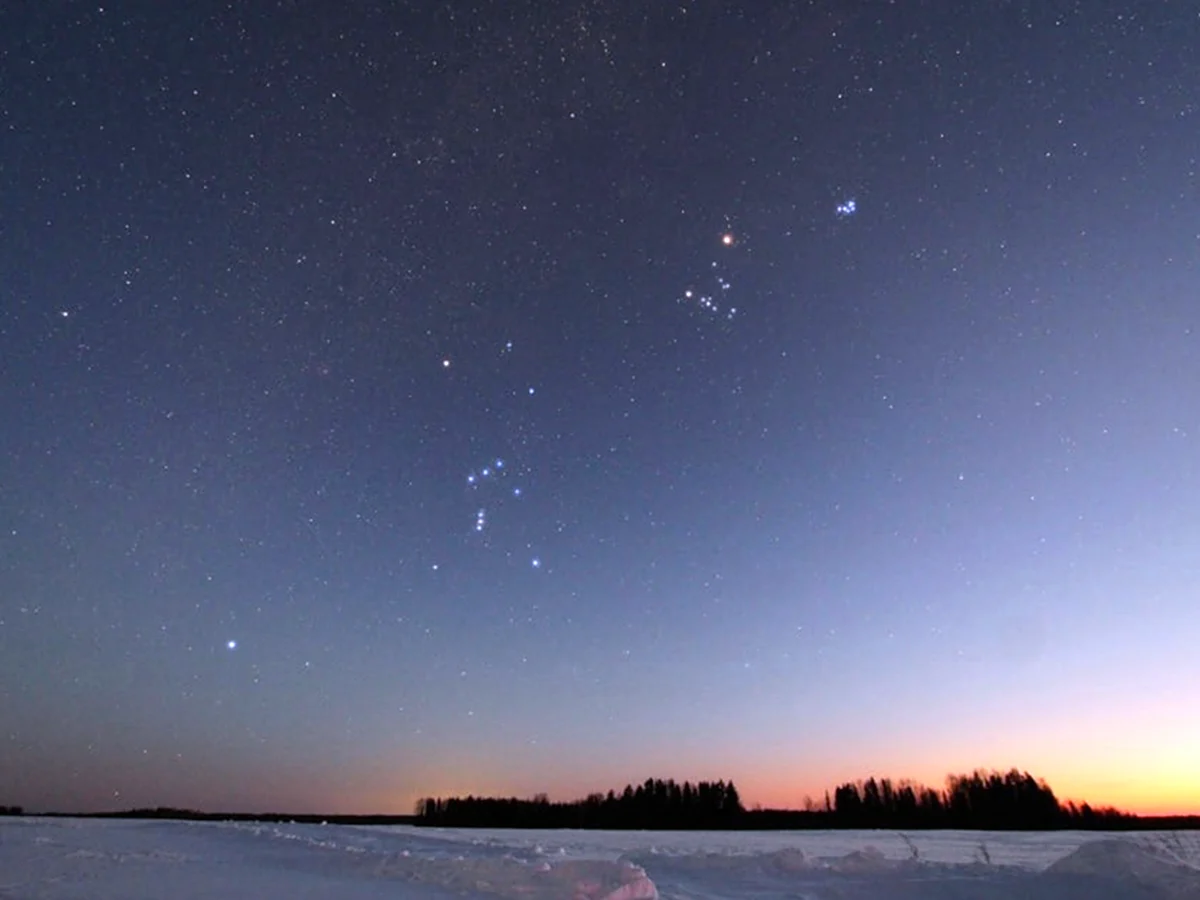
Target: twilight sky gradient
x,y
423,398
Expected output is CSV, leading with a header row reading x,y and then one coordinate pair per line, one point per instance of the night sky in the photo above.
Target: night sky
x,y
444,397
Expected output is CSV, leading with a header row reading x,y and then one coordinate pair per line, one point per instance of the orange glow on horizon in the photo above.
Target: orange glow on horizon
x,y
1139,772
1160,801
1149,794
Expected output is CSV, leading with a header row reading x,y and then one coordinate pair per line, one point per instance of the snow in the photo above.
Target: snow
x,y
103,859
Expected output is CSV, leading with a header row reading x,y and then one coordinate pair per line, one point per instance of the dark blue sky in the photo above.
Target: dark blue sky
x,y
402,399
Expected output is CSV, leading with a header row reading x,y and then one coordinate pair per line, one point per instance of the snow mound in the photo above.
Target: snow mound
x,y
868,859
516,880
1129,864
1104,869
789,859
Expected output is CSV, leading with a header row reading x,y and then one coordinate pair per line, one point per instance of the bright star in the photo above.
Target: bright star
x,y
231,645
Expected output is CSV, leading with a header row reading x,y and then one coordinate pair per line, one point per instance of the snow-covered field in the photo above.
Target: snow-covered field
x,y
101,860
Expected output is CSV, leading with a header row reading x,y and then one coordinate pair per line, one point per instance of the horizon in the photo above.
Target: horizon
x,y
1167,810
411,400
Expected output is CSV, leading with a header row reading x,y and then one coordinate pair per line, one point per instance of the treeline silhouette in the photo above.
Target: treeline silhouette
x,y
655,804
174,813
982,800
11,810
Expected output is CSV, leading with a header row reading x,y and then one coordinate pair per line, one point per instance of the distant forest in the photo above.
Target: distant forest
x,y
982,800
655,804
